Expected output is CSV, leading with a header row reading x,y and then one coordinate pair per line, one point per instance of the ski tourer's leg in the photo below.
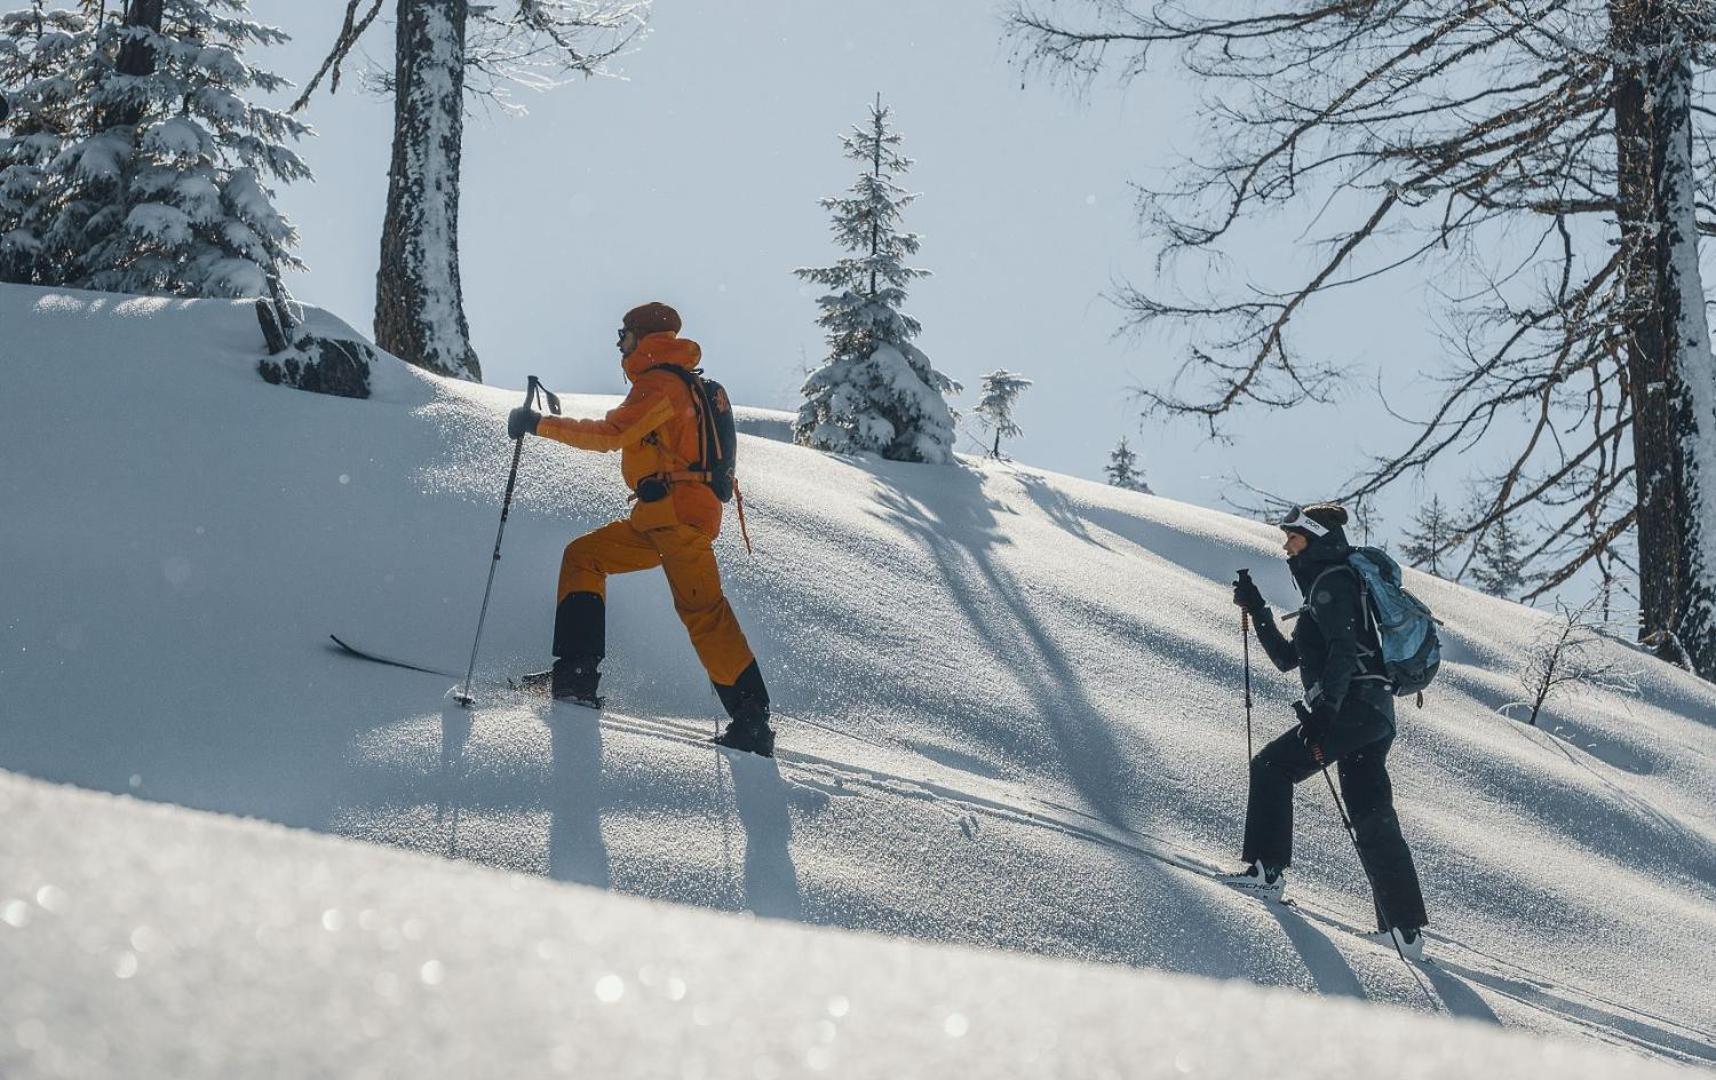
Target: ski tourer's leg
x,y
1282,763
580,614
1376,828
688,558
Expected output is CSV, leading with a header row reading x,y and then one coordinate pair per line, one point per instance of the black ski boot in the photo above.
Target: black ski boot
x,y
571,679
747,702
754,736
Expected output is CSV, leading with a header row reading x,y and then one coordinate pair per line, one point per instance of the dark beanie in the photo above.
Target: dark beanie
x,y
1331,516
652,318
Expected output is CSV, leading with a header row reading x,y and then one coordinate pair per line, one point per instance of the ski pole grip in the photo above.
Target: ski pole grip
x,y
1244,575
535,387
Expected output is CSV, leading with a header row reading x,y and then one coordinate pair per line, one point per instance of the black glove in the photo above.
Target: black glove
x,y
1247,596
1314,725
521,422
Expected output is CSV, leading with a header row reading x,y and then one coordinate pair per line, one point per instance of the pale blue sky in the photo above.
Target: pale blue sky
x,y
694,179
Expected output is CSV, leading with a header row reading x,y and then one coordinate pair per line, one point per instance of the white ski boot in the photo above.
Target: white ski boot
x,y
1410,942
1258,882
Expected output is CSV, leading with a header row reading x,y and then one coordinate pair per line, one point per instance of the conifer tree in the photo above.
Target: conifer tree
x,y
1122,468
135,162
1500,566
39,46
1430,537
1366,519
1001,388
877,392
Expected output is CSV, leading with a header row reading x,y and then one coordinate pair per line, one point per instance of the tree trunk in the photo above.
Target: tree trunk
x,y
419,308
136,57
1687,337
1667,338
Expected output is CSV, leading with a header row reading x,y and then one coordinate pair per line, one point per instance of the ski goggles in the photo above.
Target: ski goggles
x,y
1298,519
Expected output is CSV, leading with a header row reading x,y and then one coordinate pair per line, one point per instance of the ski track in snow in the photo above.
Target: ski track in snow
x,y
1451,972
1039,676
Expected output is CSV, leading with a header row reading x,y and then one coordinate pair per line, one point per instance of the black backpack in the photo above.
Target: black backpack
x,y
718,439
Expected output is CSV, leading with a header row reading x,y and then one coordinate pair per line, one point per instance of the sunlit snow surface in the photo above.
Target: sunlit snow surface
x,y
152,942
1037,677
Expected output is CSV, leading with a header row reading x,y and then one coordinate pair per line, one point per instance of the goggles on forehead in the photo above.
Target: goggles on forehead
x,y
1297,519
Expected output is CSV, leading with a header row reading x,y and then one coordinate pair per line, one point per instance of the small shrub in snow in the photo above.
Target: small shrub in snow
x,y
877,392
1569,658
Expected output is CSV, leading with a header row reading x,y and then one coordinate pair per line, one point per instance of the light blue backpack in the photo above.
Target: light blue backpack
x,y
1405,628
1404,625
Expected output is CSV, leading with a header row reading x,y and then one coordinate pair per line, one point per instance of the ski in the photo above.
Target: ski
x,y
377,658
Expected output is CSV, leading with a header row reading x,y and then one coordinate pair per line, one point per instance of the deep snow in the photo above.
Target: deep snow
x,y
1039,677
154,942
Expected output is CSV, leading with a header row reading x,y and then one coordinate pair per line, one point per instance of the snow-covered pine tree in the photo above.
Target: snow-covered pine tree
x,y
1122,469
1429,537
1500,565
40,48
159,178
1001,388
877,392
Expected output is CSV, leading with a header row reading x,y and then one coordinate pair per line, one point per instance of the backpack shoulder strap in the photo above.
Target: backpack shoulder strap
x,y
1318,580
707,439
1367,618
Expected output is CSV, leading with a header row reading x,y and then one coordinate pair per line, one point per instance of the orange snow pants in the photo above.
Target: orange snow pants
x,y
687,555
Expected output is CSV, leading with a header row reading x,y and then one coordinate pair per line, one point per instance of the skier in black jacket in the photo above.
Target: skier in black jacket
x,y
1346,719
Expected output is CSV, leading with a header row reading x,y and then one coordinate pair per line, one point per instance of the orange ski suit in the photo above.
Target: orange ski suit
x,y
656,430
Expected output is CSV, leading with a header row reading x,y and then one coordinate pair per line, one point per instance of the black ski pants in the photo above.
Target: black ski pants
x,y
1361,753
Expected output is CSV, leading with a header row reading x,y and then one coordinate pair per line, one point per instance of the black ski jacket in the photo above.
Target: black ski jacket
x,y
1332,645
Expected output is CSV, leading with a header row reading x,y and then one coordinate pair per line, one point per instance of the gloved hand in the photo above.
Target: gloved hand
x,y
521,422
1314,725
1247,596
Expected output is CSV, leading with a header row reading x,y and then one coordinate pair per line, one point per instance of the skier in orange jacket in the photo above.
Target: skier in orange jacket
x,y
673,525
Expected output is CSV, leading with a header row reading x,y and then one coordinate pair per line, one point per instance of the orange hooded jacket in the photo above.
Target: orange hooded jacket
x,y
656,431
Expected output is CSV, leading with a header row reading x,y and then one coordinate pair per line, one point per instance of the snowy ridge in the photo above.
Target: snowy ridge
x,y
1031,730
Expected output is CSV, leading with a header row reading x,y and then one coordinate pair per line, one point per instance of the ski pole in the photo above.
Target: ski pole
x,y
531,390
1245,646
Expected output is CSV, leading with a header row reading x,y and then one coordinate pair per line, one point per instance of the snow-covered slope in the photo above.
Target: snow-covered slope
x,y
154,942
1032,684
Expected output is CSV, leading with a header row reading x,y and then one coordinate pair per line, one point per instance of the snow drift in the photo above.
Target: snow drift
x,y
1031,735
